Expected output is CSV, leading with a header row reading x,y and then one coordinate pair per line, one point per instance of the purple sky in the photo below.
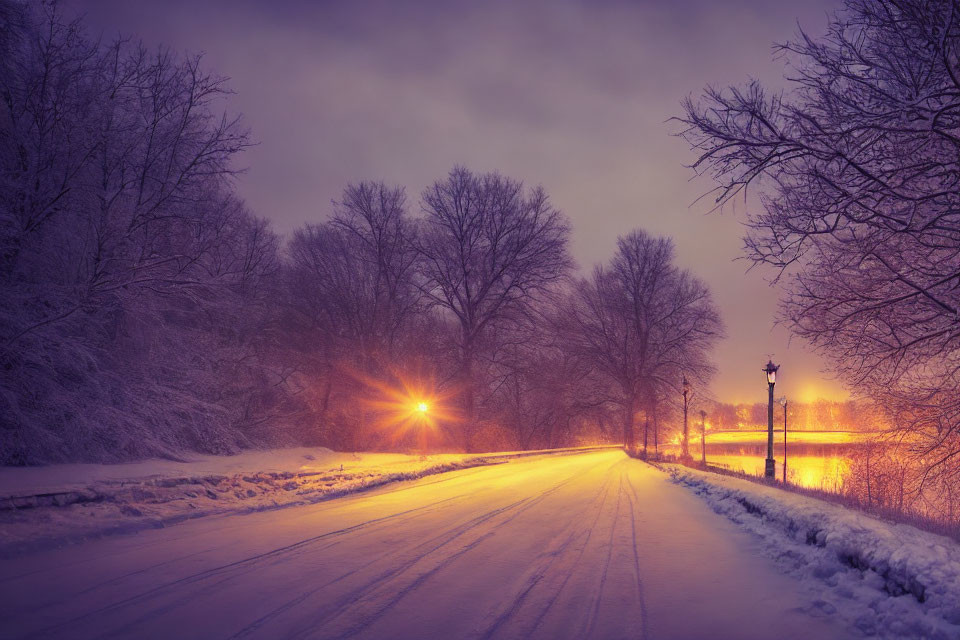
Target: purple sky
x,y
570,95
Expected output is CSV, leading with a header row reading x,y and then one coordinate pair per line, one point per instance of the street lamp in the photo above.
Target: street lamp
x,y
771,371
783,402
703,437
686,445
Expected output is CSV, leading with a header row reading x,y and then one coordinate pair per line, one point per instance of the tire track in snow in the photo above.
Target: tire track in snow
x,y
446,561
579,557
238,573
41,605
236,569
213,571
382,581
312,509
591,621
357,592
244,566
635,505
134,628
551,558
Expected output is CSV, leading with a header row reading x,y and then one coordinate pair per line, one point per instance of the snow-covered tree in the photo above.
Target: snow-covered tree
x,y
123,251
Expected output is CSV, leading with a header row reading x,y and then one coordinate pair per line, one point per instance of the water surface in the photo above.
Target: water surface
x,y
815,459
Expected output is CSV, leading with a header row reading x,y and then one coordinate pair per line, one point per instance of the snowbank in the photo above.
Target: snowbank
x,y
297,459
49,506
887,580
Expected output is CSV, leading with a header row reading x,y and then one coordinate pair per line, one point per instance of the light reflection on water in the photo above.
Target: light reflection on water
x,y
817,460
815,472
866,468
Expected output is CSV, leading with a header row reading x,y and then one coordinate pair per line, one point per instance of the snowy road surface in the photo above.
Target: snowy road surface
x,y
582,546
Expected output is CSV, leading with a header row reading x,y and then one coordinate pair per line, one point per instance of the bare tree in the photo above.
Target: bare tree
x,y
489,250
642,323
354,274
374,215
859,173
543,391
352,290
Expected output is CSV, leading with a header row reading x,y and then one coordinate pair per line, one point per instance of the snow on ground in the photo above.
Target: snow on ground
x,y
890,580
48,506
594,546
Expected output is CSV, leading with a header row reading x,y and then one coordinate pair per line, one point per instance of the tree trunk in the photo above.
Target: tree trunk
x,y
469,394
628,441
646,430
656,431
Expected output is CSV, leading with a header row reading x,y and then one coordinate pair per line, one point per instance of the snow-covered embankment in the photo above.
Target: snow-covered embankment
x,y
887,579
42,507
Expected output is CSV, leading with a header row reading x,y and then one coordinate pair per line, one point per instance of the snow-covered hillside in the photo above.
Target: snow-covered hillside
x,y
887,579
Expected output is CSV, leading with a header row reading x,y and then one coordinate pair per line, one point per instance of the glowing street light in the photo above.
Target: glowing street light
x,y
407,410
771,371
686,443
703,437
783,403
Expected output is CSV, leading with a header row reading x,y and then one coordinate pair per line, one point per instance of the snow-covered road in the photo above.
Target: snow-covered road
x,y
593,545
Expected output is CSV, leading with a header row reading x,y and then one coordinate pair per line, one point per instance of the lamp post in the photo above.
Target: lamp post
x,y
421,409
783,401
686,442
703,437
771,371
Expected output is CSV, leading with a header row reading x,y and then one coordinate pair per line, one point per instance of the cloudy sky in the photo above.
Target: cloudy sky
x,y
574,96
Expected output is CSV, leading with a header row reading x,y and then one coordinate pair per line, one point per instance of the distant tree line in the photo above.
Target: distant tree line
x,y
826,415
147,312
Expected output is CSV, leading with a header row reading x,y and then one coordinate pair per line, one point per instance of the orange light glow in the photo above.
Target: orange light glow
x,y
813,391
407,410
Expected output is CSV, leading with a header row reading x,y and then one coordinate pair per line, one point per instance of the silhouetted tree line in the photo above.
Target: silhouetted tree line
x,y
827,415
146,311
